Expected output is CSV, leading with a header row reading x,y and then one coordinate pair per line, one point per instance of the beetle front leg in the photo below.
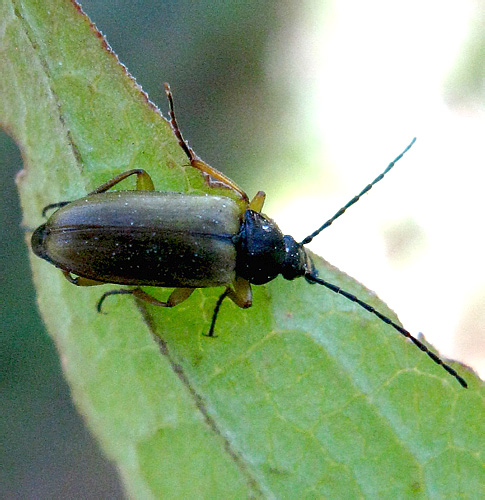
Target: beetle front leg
x,y
257,202
175,298
241,296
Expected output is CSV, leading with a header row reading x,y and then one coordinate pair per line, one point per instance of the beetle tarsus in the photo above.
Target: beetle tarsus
x,y
51,206
121,291
216,312
175,127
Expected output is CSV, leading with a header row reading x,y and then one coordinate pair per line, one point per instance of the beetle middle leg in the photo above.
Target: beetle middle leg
x,y
195,161
175,298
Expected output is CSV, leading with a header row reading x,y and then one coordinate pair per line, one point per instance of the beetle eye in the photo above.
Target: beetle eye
x,y
296,260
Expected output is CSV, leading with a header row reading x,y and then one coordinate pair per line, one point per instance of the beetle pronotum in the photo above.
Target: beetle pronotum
x,y
151,238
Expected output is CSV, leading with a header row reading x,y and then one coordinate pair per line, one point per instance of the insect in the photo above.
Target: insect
x,y
145,237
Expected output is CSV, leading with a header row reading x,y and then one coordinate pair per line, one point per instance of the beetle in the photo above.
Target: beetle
x,y
145,237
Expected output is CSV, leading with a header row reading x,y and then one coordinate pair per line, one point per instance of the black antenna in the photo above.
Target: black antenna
x,y
313,279
355,199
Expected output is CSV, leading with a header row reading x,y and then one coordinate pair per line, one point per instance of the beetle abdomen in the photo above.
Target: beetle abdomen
x,y
145,238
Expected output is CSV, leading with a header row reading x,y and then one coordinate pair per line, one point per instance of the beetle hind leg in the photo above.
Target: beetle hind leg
x,y
143,181
80,281
52,206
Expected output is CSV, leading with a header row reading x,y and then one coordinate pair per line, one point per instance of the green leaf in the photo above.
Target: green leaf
x,y
305,395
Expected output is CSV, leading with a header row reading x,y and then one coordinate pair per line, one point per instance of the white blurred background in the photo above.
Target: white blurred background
x,y
376,75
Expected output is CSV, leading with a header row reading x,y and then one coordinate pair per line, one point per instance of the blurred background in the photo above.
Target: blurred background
x,y
308,101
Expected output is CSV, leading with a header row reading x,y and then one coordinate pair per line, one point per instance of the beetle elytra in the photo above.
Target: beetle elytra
x,y
146,237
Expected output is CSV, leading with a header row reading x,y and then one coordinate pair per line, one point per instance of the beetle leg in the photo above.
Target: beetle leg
x,y
143,181
51,206
175,298
195,161
178,296
175,127
218,176
216,312
241,296
258,201
80,281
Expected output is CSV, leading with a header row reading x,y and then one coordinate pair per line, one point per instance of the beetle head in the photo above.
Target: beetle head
x,y
263,252
297,262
